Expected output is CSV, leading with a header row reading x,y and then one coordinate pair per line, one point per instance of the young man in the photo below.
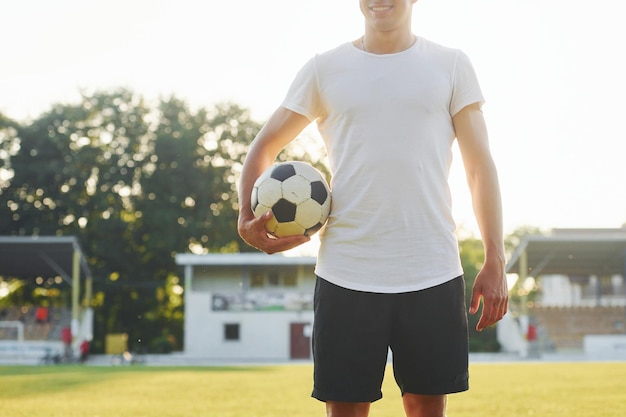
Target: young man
x,y
389,106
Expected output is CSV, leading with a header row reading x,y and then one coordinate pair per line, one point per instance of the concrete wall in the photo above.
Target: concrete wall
x,y
605,347
223,295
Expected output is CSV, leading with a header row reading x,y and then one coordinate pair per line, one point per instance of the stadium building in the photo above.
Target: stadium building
x,y
248,307
258,307
581,301
49,333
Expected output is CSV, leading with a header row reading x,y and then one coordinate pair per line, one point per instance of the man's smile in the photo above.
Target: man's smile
x,y
382,8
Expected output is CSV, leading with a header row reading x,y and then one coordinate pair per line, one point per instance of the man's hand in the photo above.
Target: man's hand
x,y
253,231
491,286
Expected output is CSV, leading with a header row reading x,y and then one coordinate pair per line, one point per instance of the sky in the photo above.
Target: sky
x,y
552,73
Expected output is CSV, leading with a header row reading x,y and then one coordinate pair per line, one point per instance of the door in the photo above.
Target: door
x,y
300,340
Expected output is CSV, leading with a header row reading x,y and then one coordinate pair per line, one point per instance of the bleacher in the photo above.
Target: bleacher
x,y
48,329
565,327
40,337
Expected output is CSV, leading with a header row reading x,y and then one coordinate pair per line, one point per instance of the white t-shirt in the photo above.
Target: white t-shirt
x,y
386,121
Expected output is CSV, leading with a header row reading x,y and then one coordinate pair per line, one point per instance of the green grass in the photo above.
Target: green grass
x,y
507,390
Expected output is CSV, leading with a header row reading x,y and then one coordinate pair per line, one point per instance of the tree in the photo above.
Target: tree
x,y
7,147
136,183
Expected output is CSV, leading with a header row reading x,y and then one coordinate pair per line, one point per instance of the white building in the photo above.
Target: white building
x,y
582,291
581,277
248,306
56,260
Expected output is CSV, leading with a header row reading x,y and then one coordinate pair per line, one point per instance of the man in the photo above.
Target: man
x,y
389,106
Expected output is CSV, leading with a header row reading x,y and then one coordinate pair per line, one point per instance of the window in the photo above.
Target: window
x,y
231,331
257,280
274,278
290,279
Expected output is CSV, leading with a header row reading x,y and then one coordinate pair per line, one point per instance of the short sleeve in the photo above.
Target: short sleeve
x,y
466,89
303,96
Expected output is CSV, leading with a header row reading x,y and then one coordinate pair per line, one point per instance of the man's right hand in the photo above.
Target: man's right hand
x,y
252,230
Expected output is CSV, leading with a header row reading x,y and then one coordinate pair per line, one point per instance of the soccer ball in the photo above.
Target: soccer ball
x,y
298,196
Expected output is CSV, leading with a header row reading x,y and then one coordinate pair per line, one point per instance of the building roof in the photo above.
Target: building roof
x,y
29,257
243,259
600,252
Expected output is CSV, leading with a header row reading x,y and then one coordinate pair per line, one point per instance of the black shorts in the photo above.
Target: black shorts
x,y
353,330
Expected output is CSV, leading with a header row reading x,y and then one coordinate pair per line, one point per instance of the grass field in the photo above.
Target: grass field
x,y
507,390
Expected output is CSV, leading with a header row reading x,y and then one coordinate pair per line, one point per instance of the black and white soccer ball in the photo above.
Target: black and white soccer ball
x,y
298,196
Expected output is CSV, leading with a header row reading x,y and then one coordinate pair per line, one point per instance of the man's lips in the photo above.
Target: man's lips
x,y
380,8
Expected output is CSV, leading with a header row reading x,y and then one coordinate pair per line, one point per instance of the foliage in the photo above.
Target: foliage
x,y
8,147
514,239
136,183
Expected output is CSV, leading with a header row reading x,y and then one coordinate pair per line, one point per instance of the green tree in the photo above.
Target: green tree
x,y
7,146
136,184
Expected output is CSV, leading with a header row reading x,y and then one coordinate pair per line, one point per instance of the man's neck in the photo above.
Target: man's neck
x,y
381,43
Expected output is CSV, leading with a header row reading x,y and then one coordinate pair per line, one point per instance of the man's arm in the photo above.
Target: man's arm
x,y
482,178
282,127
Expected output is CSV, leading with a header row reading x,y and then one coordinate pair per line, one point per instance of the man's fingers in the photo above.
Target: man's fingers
x,y
494,308
264,218
475,301
260,239
281,244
